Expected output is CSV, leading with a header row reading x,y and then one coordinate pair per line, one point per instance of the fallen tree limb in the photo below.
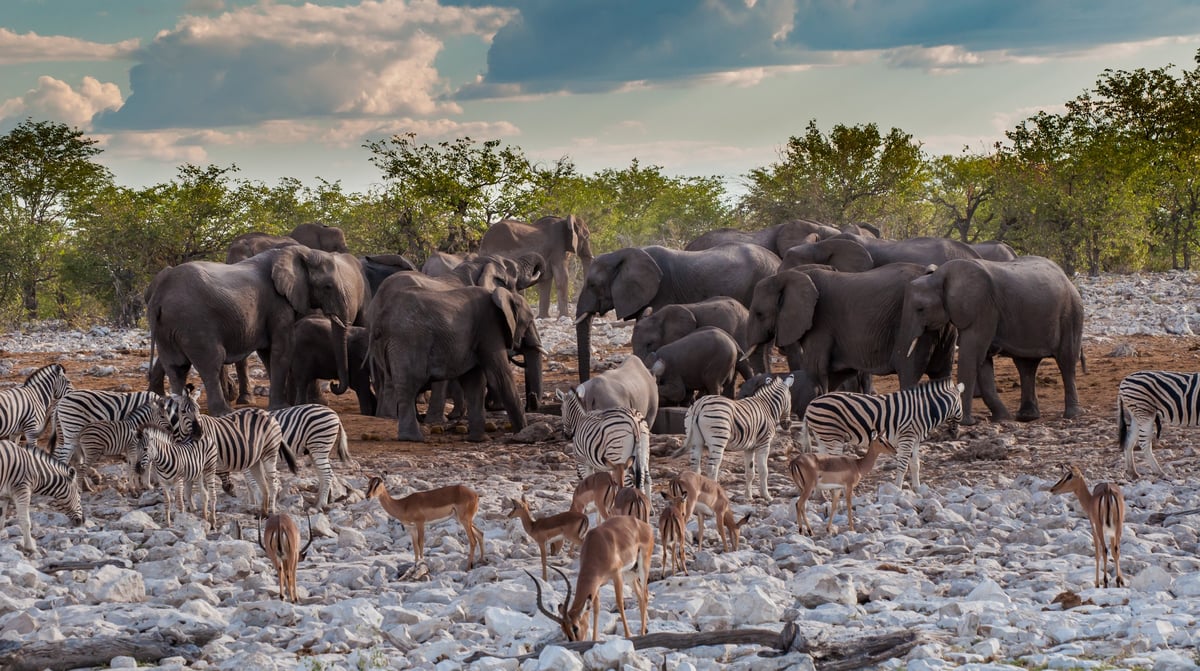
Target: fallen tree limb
x,y
55,567
74,653
1159,518
828,655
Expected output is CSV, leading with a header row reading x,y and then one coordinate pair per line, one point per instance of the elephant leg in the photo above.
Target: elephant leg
x,y
212,372
177,376
559,270
986,388
1066,368
971,360
407,427
1027,368
474,386
543,287
243,382
157,378
282,350
457,399
366,398
312,393
435,411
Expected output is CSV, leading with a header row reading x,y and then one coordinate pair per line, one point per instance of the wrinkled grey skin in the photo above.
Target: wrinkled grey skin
x,y
210,314
855,253
421,333
313,236
778,238
440,264
833,326
491,271
668,324
1026,309
635,278
803,389
704,361
555,239
994,250
378,267
314,360
629,385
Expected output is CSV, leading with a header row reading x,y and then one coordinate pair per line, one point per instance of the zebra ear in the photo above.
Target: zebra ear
x,y
960,387
558,393
787,381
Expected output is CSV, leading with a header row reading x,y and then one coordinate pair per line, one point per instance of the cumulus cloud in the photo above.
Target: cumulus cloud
x,y
33,48
58,100
274,61
590,45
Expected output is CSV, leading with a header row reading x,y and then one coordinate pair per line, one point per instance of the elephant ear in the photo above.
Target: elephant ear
x,y
966,291
290,275
570,234
517,315
848,256
636,282
797,304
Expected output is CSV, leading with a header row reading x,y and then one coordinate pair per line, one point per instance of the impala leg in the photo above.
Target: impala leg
x,y
850,506
619,592
419,542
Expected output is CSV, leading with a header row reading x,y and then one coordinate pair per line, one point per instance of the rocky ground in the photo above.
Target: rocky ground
x,y
976,564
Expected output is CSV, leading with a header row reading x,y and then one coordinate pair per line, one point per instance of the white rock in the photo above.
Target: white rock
x,y
823,584
122,662
115,585
1151,579
608,655
555,658
1186,586
504,623
134,520
989,590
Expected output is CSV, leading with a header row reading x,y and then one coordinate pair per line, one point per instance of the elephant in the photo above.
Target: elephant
x,y
555,239
994,250
856,253
835,325
313,236
491,271
208,314
313,359
422,333
1026,309
703,360
440,264
378,267
630,280
629,385
668,324
778,238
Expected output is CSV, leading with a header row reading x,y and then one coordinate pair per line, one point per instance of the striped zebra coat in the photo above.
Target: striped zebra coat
x,y
747,425
177,464
23,410
611,439
246,440
839,420
81,407
117,438
25,471
1148,399
315,430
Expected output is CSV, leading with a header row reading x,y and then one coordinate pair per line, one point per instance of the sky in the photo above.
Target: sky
x,y
699,87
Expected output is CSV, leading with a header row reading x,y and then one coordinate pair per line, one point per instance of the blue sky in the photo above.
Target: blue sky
x,y
699,87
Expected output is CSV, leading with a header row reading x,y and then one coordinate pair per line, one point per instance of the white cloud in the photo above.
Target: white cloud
x,y
33,48
57,100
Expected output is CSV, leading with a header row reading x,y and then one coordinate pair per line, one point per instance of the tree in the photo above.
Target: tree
x,y
963,187
852,174
46,172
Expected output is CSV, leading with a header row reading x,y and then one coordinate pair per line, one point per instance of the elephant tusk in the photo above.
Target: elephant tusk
x,y
543,351
582,318
911,347
338,320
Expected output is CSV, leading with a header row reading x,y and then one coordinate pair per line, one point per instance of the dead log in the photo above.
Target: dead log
x,y
74,653
828,655
55,567
1160,518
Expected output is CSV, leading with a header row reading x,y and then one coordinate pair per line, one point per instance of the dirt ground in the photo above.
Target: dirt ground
x,y
1008,448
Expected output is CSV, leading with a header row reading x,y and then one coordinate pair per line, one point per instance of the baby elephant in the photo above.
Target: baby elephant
x,y
313,360
704,360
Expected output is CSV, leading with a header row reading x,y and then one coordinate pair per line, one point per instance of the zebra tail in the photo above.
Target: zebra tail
x,y
1122,425
287,456
691,429
641,461
343,448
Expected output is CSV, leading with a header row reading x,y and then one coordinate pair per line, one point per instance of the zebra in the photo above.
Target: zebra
x,y
316,430
247,439
24,409
902,419
610,439
179,464
1145,401
25,471
81,407
745,424
117,438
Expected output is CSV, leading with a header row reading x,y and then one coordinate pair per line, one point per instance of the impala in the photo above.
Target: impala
x,y
621,545
672,531
458,501
551,530
597,489
281,541
633,502
837,472
704,496
1105,508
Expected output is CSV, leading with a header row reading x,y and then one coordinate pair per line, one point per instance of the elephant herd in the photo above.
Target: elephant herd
x,y
839,305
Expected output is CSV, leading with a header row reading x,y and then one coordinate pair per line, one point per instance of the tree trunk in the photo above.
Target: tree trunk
x,y
74,653
29,298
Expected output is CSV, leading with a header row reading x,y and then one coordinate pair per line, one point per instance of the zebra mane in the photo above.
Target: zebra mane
x,y
42,373
43,458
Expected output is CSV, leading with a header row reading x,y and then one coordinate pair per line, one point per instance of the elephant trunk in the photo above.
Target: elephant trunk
x,y
340,337
534,357
583,338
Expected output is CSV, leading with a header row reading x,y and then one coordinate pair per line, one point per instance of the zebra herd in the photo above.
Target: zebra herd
x,y
163,438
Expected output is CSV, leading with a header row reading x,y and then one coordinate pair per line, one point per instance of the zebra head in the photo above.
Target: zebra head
x,y
954,414
51,379
572,410
60,482
150,443
777,391
183,414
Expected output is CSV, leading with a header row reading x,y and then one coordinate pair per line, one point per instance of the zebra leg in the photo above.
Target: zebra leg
x,y
226,482
1132,435
760,458
166,489
320,460
20,496
1149,443
911,448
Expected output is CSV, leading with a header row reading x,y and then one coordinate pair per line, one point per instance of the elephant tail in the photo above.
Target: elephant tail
x,y
343,447
1083,361
150,368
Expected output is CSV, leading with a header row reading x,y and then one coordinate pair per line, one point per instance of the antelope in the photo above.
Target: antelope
x,y
672,531
281,541
837,472
553,529
731,528
597,489
433,505
622,544
704,496
633,502
1105,508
